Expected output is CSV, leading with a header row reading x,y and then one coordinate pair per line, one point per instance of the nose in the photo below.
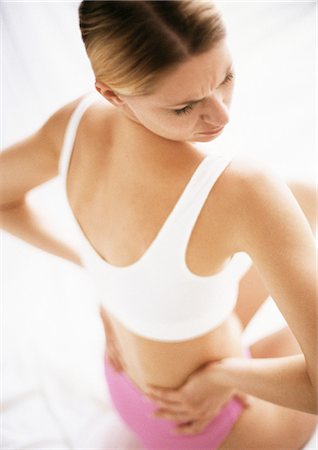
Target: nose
x,y
215,111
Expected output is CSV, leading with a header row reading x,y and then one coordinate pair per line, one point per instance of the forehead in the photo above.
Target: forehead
x,y
193,78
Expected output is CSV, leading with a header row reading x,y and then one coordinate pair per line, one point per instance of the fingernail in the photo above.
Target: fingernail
x,y
151,389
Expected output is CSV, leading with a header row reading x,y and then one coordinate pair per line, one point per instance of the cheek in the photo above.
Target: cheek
x,y
169,125
184,122
178,127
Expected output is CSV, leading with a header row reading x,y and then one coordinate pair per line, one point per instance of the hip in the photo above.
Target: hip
x,y
168,364
154,433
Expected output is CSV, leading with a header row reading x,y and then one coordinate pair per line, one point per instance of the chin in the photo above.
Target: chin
x,y
203,138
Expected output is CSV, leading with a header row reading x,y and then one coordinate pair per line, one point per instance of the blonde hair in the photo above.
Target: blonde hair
x,y
131,43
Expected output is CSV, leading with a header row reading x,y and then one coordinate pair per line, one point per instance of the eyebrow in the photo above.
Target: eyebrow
x,y
228,70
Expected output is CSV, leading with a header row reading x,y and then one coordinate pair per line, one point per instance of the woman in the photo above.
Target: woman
x,y
159,224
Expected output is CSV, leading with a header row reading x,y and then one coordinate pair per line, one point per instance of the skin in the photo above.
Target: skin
x,y
204,77
245,187
156,112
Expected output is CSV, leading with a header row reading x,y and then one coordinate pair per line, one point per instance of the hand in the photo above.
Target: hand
x,y
113,352
193,405
112,348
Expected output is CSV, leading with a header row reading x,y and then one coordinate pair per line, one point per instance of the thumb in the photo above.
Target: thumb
x,y
244,398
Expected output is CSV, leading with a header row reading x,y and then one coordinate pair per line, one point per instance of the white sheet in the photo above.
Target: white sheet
x,y
54,394
53,390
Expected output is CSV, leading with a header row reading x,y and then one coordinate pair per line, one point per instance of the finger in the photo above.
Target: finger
x,y
166,394
111,351
112,348
115,364
164,403
115,361
181,417
245,399
191,428
114,353
118,365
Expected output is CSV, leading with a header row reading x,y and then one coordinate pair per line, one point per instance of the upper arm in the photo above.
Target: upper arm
x,y
35,159
273,230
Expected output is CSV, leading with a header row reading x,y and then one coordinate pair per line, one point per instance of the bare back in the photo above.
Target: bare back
x,y
117,170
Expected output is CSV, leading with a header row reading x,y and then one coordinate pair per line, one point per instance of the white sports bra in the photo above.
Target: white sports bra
x,y
158,297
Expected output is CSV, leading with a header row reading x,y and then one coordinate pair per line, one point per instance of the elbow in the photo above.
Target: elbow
x,y
11,204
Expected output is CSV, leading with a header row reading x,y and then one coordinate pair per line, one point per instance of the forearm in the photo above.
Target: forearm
x,y
283,381
23,222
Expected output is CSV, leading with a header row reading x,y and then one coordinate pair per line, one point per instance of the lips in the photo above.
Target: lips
x,y
216,130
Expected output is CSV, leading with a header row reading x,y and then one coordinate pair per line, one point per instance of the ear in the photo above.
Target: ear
x,y
108,93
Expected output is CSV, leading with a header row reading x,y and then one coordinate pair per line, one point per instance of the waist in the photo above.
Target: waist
x,y
168,364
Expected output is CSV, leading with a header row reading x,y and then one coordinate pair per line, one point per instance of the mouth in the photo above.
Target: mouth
x,y
212,132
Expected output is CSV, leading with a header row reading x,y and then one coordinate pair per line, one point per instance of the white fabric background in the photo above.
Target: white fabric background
x,y
53,392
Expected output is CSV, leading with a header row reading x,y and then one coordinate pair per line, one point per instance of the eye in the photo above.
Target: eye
x,y
228,78
184,110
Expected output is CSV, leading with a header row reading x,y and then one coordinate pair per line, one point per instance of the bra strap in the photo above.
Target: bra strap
x,y
178,231
70,133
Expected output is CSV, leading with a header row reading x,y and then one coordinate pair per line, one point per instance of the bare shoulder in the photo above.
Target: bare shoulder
x,y
249,181
244,171
96,116
53,129
35,159
258,199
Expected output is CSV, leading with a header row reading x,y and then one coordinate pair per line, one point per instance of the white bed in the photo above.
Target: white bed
x,y
53,392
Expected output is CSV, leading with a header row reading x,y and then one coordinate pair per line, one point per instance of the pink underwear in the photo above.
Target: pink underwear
x,y
156,433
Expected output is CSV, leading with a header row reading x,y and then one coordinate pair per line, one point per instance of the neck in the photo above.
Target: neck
x,y
141,144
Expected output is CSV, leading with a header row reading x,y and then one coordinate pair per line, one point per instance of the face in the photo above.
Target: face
x,y
190,100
